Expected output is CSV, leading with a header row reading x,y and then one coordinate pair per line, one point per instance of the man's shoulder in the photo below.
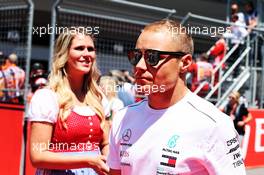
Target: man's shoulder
x,y
199,102
127,116
209,118
135,107
137,104
130,110
207,109
14,68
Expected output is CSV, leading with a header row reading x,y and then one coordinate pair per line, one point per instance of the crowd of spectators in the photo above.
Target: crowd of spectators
x,y
206,74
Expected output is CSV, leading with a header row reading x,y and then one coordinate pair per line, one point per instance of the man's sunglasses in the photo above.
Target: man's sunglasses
x,y
152,57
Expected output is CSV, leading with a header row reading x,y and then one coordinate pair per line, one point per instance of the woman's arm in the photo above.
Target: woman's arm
x,y
246,120
104,146
41,157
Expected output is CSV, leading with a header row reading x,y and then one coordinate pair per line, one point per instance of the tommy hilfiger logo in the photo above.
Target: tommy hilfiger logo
x,y
169,161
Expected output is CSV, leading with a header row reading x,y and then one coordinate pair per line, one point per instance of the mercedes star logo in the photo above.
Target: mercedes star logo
x,y
127,135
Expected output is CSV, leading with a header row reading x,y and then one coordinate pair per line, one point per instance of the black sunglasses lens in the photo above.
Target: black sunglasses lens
x,y
134,56
152,57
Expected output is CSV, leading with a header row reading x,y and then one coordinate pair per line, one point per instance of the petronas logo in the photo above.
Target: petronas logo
x,y
172,142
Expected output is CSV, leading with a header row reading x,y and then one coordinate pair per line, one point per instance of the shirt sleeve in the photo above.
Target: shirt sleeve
x,y
43,106
113,159
106,107
223,149
117,105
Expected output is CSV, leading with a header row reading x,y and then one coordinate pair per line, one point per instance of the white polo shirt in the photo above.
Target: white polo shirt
x,y
190,137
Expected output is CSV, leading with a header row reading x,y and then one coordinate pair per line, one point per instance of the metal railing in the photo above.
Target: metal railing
x,y
222,62
246,55
16,37
217,70
235,86
218,21
228,73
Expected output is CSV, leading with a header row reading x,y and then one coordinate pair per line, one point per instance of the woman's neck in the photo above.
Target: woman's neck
x,y
76,85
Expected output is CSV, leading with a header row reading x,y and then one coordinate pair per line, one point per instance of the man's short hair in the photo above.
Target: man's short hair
x,y
13,58
178,33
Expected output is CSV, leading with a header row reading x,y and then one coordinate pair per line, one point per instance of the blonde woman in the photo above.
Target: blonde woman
x,y
239,113
68,135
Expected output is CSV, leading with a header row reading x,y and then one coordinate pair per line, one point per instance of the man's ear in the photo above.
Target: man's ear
x,y
186,62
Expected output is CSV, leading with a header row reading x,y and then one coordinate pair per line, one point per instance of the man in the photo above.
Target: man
x,y
218,51
238,30
251,15
38,79
204,75
240,15
173,131
13,78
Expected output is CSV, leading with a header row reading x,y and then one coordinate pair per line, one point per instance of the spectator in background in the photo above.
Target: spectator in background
x,y
109,87
251,15
128,77
218,51
237,35
238,113
237,31
204,75
38,79
13,78
191,75
38,76
240,15
126,90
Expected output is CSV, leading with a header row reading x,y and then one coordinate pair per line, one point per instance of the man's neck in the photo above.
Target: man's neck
x,y
167,98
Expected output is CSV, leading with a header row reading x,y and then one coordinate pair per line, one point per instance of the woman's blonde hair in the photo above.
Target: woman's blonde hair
x,y
235,95
58,80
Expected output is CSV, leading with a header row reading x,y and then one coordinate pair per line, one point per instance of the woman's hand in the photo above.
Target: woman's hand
x,y
241,123
99,165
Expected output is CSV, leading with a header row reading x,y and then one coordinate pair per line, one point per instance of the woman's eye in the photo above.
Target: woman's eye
x,y
90,49
79,48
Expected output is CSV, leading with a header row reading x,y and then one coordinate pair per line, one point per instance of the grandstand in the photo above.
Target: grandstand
x,y
24,29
